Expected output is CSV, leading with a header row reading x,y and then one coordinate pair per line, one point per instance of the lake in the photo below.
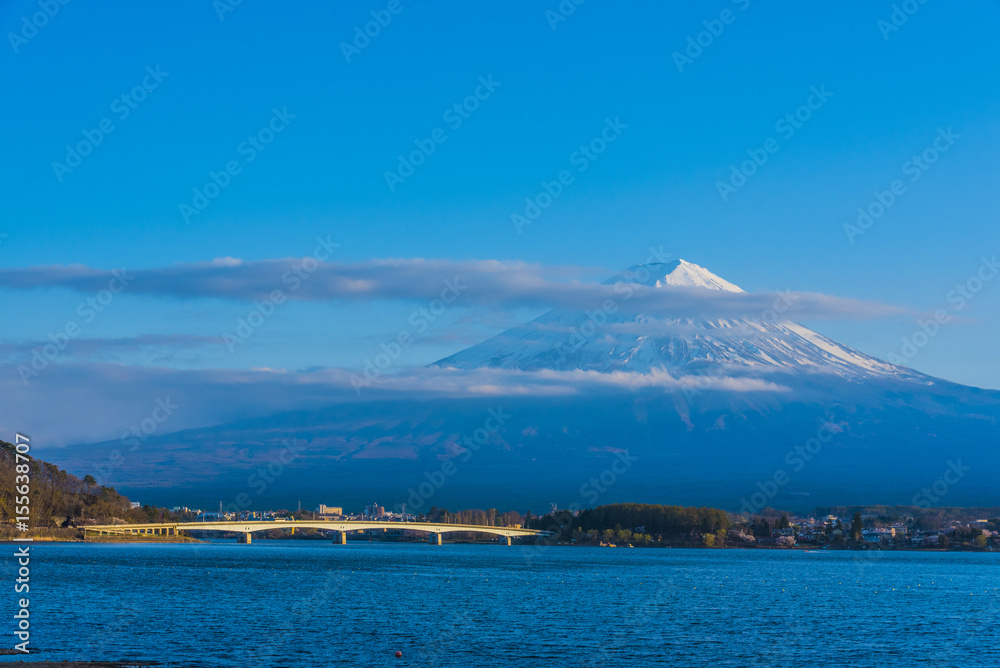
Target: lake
x,y
312,603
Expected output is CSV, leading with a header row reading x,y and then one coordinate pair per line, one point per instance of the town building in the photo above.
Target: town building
x,y
326,511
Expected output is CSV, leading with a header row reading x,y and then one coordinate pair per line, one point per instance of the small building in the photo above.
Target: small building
x,y
877,534
329,511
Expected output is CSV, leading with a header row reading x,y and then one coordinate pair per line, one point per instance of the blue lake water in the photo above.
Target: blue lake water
x,y
310,603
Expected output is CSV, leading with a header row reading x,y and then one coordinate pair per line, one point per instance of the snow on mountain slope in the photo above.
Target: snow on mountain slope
x,y
622,341
892,429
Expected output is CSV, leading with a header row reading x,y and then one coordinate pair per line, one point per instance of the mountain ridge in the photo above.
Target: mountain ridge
x,y
617,340
889,431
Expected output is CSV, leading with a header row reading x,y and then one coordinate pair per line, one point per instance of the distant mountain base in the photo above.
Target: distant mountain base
x,y
837,442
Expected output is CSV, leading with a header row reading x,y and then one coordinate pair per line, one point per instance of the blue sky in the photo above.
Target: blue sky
x,y
343,124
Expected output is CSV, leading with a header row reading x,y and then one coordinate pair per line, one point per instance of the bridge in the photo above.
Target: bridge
x,y
343,527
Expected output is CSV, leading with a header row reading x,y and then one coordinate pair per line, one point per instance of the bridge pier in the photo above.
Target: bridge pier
x,y
244,529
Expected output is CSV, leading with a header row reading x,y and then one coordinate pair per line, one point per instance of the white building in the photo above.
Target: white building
x,y
329,511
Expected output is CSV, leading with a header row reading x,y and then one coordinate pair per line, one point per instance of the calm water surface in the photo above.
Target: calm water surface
x,y
310,603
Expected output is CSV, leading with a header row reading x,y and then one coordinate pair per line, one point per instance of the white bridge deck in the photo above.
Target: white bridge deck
x,y
343,527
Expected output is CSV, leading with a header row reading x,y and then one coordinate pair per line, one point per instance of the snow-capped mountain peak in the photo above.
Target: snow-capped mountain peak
x,y
679,273
564,339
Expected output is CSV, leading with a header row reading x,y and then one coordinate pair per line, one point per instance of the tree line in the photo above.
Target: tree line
x,y
490,517
635,522
57,498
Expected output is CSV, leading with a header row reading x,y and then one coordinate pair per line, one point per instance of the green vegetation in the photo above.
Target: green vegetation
x,y
59,499
639,524
490,517
857,526
925,519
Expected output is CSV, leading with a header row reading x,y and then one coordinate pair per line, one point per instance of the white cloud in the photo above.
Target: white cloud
x,y
489,283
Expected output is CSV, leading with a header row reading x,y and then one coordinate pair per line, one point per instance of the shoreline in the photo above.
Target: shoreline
x,y
799,548
76,664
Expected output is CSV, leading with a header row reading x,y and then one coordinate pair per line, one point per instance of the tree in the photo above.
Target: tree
x,y
783,523
762,529
857,526
89,479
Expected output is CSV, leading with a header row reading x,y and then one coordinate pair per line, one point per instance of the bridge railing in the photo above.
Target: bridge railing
x,y
237,526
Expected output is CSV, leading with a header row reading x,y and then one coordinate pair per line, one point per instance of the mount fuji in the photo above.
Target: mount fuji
x,y
737,413
613,339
